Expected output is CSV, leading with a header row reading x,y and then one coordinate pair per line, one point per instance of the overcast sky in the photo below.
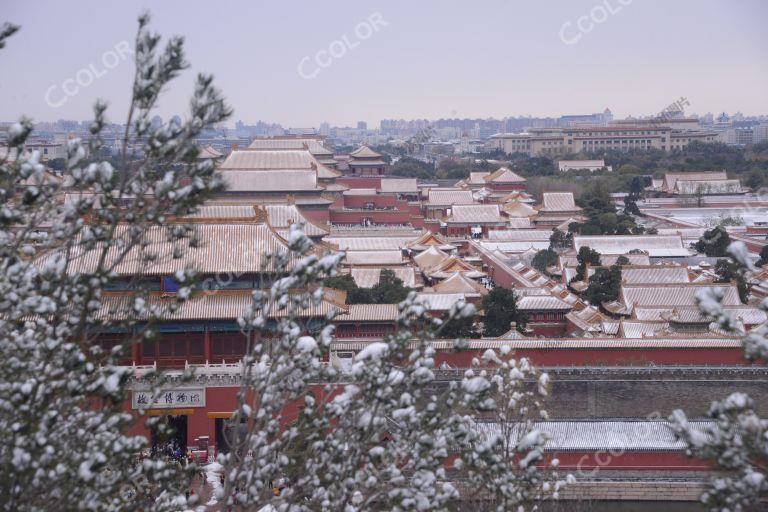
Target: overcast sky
x,y
302,63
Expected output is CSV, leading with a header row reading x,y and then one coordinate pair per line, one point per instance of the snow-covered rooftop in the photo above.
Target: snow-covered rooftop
x,y
654,245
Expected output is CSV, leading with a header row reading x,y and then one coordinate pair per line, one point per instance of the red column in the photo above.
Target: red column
x,y
136,353
207,346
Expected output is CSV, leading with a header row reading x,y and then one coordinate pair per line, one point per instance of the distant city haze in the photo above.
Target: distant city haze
x,y
303,63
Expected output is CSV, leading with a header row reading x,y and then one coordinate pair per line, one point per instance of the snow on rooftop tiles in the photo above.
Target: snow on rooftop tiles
x,y
374,258
654,245
368,243
558,202
609,435
401,185
369,277
479,213
283,181
673,294
449,197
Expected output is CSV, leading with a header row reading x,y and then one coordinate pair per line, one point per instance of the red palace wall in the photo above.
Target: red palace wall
x,y
317,215
589,463
362,182
399,212
363,330
378,201
415,209
607,357
596,460
757,230
552,329
497,273
377,216
219,400
467,230
507,186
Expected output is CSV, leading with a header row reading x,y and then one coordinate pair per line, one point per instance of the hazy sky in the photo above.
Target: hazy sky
x,y
397,59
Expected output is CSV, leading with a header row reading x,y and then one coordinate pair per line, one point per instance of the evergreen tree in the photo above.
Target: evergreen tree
x,y
454,328
389,290
355,294
714,242
500,307
544,259
729,271
630,205
763,256
604,285
559,240
586,256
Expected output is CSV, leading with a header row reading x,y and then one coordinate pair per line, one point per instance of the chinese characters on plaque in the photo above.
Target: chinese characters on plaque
x,y
169,398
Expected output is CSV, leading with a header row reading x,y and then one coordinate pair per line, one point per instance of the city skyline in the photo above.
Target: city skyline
x,y
376,124
400,61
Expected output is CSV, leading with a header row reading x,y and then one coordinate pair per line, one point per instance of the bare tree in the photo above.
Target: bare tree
x,y
736,440
61,395
379,436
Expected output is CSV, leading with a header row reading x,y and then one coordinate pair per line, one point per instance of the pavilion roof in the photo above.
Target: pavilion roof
x,y
504,175
459,283
429,258
364,152
452,264
209,152
429,239
475,213
554,202
449,197
517,208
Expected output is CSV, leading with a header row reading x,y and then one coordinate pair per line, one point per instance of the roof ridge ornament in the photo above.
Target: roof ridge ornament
x,y
260,214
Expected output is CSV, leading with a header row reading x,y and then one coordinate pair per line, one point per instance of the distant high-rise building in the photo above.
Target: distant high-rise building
x,y
300,131
760,133
658,133
67,125
723,119
744,133
325,129
362,125
585,119
260,129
